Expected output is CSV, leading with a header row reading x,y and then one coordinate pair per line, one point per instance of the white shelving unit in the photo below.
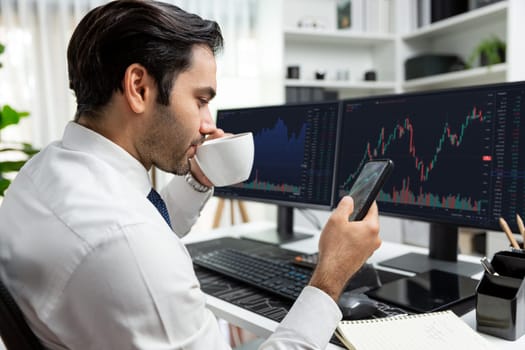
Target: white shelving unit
x,y
457,35
343,55
472,20
337,37
329,50
379,86
474,76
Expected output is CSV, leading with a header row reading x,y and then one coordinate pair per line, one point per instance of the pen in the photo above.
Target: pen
x,y
521,226
505,227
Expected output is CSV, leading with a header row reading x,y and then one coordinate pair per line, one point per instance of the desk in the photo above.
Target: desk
x,y
263,327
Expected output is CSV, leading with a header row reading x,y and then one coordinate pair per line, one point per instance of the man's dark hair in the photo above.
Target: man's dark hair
x,y
111,37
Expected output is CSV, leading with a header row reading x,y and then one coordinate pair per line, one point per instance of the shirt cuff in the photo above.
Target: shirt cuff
x,y
184,204
314,315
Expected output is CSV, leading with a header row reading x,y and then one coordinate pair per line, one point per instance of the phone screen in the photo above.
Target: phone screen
x,y
367,185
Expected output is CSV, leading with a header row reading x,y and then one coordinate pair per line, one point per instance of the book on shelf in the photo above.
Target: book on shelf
x,y
424,13
344,14
357,15
429,331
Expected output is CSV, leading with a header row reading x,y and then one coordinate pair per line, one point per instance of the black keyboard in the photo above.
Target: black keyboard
x,y
283,279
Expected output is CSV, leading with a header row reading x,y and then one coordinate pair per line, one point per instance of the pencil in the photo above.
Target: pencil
x,y
505,227
521,226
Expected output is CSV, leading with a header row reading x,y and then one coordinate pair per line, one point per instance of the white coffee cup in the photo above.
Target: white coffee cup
x,y
227,160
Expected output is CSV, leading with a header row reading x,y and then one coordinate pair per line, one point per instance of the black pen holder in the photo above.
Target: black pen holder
x,y
500,300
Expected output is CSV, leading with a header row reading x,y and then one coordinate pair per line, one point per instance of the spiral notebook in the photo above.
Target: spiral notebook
x,y
435,330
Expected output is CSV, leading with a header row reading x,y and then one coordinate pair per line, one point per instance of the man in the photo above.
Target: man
x,y
86,246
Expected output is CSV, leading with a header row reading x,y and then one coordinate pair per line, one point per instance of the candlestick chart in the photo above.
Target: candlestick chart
x,y
451,152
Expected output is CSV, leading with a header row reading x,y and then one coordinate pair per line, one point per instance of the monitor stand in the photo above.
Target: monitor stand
x,y
443,254
284,232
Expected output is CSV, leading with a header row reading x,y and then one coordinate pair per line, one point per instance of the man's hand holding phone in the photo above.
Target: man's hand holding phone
x,y
351,234
368,184
344,246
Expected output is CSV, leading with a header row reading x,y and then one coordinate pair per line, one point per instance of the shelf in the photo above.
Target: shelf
x,y
378,86
311,47
470,20
337,37
475,76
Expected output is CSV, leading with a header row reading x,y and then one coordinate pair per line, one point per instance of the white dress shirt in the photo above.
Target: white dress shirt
x,y
93,265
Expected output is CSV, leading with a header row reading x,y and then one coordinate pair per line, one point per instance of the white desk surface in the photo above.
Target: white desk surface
x,y
263,327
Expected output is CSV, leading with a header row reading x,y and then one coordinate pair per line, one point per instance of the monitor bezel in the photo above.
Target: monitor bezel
x,y
295,204
422,218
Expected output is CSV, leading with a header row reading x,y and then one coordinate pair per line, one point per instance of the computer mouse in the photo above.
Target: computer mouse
x,y
356,306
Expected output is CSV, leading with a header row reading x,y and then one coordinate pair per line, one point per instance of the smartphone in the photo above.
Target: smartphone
x,y
367,185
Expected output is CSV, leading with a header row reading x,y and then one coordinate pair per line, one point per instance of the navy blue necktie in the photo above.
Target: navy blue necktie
x,y
155,198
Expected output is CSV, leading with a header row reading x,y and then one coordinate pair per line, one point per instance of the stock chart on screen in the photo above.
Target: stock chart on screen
x,y
456,153
294,151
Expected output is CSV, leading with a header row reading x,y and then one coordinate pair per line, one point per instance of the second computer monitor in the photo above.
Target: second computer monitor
x,y
294,153
294,160
457,153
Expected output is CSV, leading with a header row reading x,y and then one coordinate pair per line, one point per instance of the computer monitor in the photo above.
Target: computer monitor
x,y
458,157
293,163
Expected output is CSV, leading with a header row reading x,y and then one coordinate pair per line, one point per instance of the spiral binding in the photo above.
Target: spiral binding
x,y
398,317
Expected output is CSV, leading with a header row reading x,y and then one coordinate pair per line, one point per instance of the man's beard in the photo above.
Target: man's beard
x,y
177,162
182,168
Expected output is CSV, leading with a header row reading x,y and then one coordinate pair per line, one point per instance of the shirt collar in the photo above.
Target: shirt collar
x,y
79,138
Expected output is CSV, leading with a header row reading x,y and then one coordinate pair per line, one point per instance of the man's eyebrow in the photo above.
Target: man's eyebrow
x,y
207,91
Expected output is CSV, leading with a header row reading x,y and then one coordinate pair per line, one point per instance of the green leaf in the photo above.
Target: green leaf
x,y
4,184
26,151
11,149
25,148
9,166
29,150
10,116
2,48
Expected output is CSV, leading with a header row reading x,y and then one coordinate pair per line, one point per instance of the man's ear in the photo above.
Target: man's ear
x,y
137,86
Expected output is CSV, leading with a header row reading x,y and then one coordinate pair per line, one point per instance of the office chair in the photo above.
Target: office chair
x,y
14,329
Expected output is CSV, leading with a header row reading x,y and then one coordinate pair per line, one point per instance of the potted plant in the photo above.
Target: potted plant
x,y
489,51
20,152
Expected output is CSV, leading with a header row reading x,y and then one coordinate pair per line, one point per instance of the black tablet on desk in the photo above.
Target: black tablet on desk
x,y
429,291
